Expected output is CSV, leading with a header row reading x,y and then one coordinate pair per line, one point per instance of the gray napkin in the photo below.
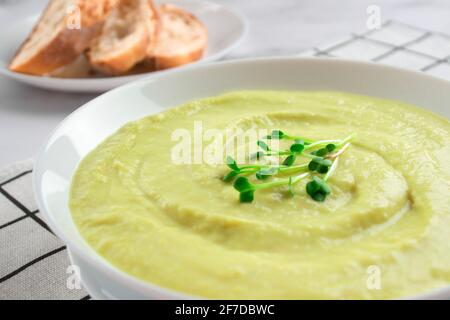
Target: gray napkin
x,y
34,263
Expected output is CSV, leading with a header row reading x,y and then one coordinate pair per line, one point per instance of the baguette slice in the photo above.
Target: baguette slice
x,y
125,37
79,68
182,38
55,41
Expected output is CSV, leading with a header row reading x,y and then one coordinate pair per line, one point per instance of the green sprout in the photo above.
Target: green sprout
x,y
236,170
330,145
289,161
298,146
318,188
257,155
320,165
266,173
291,187
247,189
262,171
278,134
323,155
325,150
263,145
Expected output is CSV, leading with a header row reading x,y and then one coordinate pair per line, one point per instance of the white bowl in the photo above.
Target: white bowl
x,y
89,125
226,28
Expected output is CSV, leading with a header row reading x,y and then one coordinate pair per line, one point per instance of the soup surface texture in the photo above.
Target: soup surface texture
x,y
383,232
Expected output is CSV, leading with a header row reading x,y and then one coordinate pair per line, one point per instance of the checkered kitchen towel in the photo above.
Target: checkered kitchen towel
x,y
33,262
395,44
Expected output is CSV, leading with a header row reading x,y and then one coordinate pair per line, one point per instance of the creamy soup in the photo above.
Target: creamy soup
x,y
383,232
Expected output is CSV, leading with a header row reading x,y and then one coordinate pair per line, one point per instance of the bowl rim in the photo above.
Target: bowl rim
x,y
145,287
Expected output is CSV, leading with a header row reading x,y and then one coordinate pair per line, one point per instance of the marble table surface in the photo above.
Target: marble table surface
x,y
282,27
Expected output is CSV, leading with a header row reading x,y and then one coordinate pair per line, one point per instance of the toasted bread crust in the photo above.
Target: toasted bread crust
x,y
167,62
122,62
154,27
163,58
122,59
95,11
63,49
79,68
67,44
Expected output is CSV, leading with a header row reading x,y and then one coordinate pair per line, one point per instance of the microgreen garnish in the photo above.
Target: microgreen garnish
x,y
257,155
263,145
289,161
323,158
318,189
247,189
231,163
230,176
291,187
278,134
266,173
298,146
320,165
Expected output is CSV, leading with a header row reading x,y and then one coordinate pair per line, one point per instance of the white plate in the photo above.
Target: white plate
x,y
226,28
90,124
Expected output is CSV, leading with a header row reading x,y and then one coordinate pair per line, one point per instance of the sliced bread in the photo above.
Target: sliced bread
x,y
79,68
125,37
57,40
182,38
